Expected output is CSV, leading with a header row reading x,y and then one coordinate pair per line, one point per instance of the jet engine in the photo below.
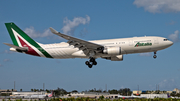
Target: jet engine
x,y
112,50
114,58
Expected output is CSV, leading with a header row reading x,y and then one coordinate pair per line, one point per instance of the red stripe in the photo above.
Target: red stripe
x,y
30,51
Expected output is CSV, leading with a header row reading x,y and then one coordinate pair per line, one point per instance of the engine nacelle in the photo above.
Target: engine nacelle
x,y
114,58
112,50
117,58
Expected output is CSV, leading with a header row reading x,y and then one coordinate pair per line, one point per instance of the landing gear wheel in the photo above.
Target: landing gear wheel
x,y
90,66
94,63
92,60
87,63
154,56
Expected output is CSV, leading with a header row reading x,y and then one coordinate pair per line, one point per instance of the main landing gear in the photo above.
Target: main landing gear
x,y
154,55
91,62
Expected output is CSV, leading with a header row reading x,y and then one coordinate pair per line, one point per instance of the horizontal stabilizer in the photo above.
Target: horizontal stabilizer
x,y
16,47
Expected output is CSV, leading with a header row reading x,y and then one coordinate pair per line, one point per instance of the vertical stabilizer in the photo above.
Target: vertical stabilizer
x,y
17,34
21,39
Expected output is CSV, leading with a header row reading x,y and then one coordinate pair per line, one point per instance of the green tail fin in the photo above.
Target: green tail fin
x,y
21,39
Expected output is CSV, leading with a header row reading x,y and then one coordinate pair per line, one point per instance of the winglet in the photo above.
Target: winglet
x,y
53,30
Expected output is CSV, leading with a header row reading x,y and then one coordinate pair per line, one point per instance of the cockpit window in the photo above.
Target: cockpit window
x,y
165,39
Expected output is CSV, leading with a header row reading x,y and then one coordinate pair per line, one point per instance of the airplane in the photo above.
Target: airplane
x,y
141,97
125,97
131,97
110,49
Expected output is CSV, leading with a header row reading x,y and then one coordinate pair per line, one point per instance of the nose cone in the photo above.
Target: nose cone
x,y
170,43
167,44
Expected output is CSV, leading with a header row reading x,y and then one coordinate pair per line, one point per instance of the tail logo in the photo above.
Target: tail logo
x,y
30,50
21,39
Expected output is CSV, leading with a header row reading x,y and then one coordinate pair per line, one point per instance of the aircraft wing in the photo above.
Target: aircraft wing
x,y
16,47
79,43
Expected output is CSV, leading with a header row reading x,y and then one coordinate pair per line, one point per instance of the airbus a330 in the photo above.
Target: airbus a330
x,y
110,49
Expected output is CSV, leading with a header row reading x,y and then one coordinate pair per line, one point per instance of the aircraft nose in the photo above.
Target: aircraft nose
x,y
170,43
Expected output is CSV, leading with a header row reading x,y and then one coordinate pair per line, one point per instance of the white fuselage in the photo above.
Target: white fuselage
x,y
128,46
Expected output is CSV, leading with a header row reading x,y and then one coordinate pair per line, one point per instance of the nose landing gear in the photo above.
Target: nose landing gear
x,y
91,62
154,55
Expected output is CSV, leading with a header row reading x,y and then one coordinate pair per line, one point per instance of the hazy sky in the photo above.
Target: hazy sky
x,y
91,20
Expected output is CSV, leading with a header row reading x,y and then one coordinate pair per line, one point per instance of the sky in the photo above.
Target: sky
x,y
91,20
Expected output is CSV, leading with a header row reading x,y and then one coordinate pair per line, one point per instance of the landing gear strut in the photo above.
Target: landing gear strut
x,y
154,55
91,62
